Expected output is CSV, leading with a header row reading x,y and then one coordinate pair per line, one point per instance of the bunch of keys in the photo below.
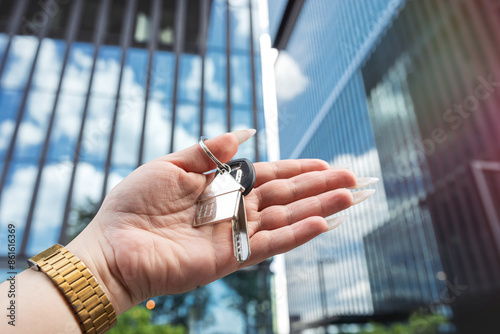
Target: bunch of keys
x,y
223,200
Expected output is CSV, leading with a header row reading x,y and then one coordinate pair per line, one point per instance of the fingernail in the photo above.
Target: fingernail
x,y
341,166
362,182
244,135
335,222
360,196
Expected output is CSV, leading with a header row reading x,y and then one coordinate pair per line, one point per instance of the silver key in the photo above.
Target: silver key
x,y
223,201
241,242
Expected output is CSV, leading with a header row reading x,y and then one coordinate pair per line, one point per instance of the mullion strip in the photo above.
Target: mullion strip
x,y
228,67
180,24
70,36
97,40
204,13
155,12
254,92
124,44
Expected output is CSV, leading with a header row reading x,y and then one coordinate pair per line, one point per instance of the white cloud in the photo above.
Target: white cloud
x,y
212,88
128,132
190,85
184,138
242,19
290,81
158,127
240,86
6,129
68,117
131,89
17,195
77,75
51,198
116,177
356,291
88,183
97,127
48,67
106,77
373,212
19,62
39,107
29,134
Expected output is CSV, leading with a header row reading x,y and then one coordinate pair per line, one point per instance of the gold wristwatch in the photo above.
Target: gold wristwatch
x,y
91,306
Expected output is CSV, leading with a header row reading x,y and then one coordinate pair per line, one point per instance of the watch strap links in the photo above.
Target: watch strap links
x,y
90,304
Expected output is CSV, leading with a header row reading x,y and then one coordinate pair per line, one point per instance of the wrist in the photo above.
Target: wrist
x,y
87,246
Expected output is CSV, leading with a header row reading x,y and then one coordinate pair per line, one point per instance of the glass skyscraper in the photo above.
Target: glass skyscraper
x,y
406,91
91,89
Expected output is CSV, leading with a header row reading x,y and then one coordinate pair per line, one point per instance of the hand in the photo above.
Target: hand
x,y
142,243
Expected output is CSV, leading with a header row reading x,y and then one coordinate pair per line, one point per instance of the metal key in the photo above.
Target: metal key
x,y
223,200
241,242
244,173
248,177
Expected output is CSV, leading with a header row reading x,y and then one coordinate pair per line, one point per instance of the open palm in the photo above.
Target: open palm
x,y
144,231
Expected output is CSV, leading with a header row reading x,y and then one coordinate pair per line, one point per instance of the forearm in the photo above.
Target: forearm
x,y
39,306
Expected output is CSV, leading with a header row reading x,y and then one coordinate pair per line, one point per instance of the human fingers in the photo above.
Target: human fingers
x,y
267,243
323,205
284,191
223,147
284,169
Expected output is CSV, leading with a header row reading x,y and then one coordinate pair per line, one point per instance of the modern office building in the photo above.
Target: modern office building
x,y
91,89
406,91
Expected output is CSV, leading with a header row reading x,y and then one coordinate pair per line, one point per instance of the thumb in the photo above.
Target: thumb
x,y
223,147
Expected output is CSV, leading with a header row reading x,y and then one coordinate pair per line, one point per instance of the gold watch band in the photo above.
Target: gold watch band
x,y
90,304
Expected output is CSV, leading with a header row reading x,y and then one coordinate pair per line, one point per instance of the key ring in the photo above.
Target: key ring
x,y
220,166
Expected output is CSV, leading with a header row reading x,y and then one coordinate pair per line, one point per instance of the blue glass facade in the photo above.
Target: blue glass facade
x,y
89,90
405,91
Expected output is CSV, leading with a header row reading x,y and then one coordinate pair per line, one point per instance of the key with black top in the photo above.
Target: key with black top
x,y
223,200
243,172
248,173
